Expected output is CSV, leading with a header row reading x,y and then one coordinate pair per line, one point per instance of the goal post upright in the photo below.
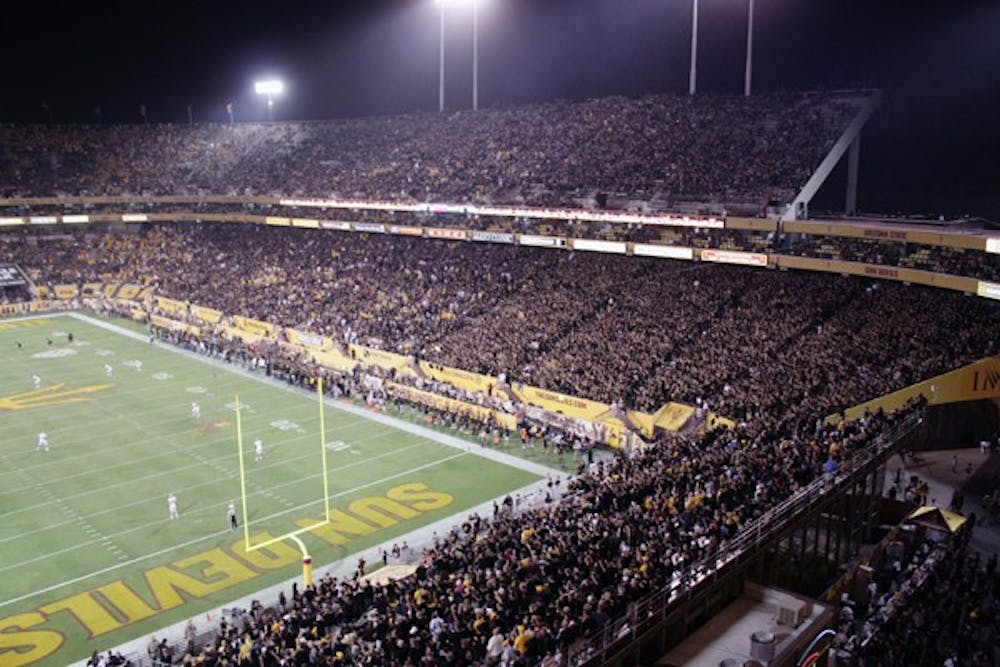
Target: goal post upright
x,y
243,475
307,571
322,446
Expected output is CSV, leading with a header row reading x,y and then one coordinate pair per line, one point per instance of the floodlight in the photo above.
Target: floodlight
x,y
269,87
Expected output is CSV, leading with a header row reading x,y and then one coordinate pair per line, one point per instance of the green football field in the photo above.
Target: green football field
x,y
89,557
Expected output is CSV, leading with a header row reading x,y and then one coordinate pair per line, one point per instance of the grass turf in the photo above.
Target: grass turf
x,y
88,556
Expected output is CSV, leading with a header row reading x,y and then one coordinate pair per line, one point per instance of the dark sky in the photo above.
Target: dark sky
x,y
938,63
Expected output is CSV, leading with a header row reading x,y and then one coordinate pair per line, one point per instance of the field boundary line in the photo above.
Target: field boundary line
x,y
381,418
207,536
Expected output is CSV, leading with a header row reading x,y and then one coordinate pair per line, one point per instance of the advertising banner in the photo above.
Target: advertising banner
x,y
404,230
542,241
256,327
667,251
206,314
976,381
493,237
447,233
734,257
170,305
174,325
66,291
11,276
439,402
599,246
988,290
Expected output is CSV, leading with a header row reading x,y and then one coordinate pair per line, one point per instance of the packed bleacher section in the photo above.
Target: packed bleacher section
x,y
775,350
754,345
930,603
525,589
667,148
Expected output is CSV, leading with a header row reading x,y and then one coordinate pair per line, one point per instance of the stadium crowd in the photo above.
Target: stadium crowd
x,y
777,352
523,589
665,147
637,332
931,602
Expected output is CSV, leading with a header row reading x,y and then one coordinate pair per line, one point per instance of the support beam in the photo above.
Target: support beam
x,y
799,208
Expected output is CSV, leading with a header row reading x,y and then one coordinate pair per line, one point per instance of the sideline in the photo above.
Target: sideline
x,y
418,539
399,424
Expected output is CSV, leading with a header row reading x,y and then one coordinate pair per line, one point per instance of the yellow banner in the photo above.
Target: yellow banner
x,y
172,306
260,329
439,402
129,291
91,289
571,406
138,314
878,232
958,283
42,292
110,289
174,325
242,334
66,291
332,358
382,359
463,379
309,340
969,383
673,416
206,314
144,293
13,308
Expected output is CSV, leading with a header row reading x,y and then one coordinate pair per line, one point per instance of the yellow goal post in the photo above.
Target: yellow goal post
x,y
293,535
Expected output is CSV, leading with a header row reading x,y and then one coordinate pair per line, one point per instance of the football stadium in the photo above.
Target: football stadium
x,y
588,381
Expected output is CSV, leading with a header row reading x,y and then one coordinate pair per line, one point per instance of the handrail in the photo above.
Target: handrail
x,y
750,538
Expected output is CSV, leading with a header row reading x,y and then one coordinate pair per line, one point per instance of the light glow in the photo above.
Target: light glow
x,y
269,87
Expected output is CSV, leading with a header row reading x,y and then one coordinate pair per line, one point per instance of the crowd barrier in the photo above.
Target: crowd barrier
x,y
979,380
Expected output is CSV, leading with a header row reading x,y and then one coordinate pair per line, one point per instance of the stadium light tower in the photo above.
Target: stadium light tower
x,y
693,75
475,51
749,68
270,89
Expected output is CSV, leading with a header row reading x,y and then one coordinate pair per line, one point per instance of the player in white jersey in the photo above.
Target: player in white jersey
x,y
43,443
231,510
258,450
108,369
195,410
172,506
37,381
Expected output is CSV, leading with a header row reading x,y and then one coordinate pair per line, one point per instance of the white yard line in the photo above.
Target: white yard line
x,y
197,540
381,418
344,567
118,508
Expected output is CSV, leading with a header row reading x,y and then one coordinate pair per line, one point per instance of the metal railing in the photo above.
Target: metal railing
x,y
627,628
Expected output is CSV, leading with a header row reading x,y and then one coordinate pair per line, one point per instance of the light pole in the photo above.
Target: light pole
x,y
441,62
475,52
693,76
749,68
475,55
270,89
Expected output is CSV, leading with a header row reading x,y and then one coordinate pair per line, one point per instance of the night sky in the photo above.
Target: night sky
x,y
934,146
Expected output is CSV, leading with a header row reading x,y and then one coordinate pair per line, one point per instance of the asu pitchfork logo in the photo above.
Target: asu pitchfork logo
x,y
49,396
